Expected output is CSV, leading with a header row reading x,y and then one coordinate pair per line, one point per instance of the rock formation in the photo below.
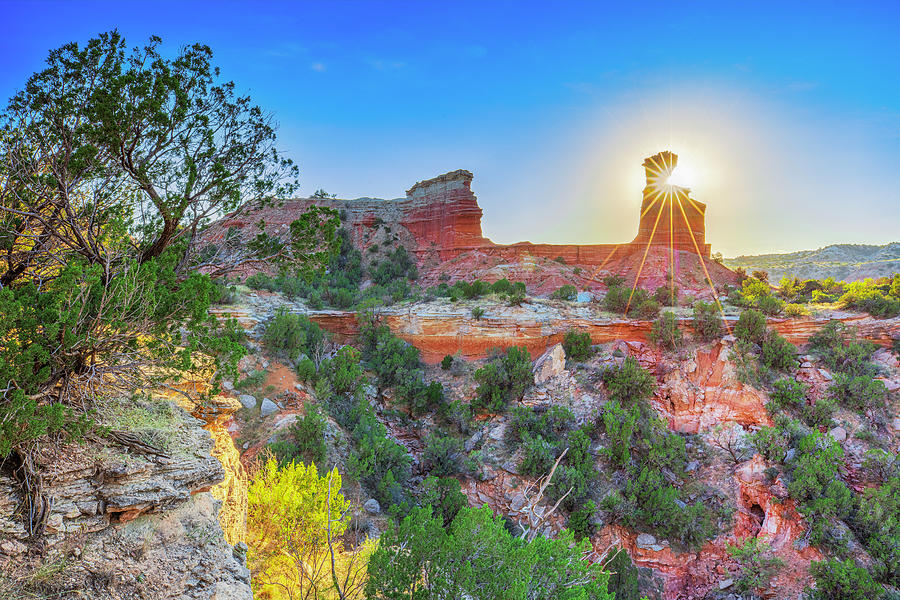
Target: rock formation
x,y
439,222
132,525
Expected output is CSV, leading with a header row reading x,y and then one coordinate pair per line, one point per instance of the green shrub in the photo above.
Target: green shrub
x,y
292,335
477,313
751,327
619,424
260,281
820,413
567,292
577,344
538,455
841,351
858,393
816,485
647,309
665,332
657,507
344,372
444,496
788,394
777,353
503,380
393,360
876,522
795,310
446,362
619,298
707,322
758,564
516,298
552,423
770,305
843,580
623,576
442,455
630,383
771,442
666,296
502,286
381,464
580,520
306,370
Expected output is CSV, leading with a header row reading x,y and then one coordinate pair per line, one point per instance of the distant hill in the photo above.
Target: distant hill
x,y
847,262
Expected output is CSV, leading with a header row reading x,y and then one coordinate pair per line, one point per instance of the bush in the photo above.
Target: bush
x,y
538,455
771,442
758,564
260,281
444,496
707,322
577,344
877,523
344,372
778,353
552,423
442,455
623,576
619,424
841,351
751,327
665,332
478,557
647,309
666,296
567,292
477,313
446,362
305,440
770,305
306,370
816,485
503,380
795,310
630,383
859,393
788,394
819,414
292,335
619,299
580,520
843,580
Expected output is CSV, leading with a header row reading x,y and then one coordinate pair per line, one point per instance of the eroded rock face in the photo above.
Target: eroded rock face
x,y
132,525
703,391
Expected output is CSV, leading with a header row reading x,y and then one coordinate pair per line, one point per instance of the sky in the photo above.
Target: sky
x,y
786,116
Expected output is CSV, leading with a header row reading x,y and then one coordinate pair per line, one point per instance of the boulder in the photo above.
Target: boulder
x,y
267,408
838,433
645,540
247,401
372,507
551,364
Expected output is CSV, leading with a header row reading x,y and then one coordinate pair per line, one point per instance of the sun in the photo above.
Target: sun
x,y
681,176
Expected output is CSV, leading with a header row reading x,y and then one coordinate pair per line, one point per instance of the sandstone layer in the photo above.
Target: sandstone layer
x,y
128,524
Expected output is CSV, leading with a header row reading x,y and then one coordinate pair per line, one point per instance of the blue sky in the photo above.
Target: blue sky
x,y
786,115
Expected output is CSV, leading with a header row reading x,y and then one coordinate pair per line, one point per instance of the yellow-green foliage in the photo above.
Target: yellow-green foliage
x,y
293,511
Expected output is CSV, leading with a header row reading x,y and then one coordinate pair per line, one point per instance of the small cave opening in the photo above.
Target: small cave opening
x,y
758,515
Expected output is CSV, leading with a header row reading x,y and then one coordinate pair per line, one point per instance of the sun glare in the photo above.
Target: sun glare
x,y
681,176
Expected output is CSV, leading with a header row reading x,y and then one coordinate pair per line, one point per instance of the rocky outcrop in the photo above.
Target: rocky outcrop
x,y
702,391
128,524
551,364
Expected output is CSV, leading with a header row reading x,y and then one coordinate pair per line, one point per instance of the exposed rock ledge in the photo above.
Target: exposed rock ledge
x,y
130,525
